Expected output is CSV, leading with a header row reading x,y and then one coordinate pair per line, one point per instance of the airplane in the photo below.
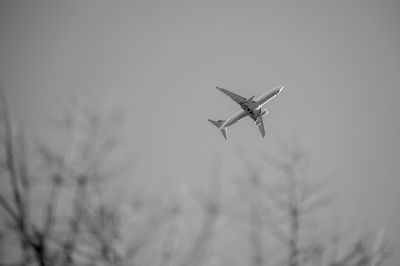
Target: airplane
x,y
250,107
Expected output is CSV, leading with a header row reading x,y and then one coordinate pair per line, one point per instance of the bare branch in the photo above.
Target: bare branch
x,y
275,162
8,209
10,160
49,215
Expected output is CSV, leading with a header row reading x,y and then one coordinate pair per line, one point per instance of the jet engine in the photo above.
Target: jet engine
x,y
264,112
251,98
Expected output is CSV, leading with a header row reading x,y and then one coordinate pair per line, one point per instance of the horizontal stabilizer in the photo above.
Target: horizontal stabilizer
x,y
223,131
218,124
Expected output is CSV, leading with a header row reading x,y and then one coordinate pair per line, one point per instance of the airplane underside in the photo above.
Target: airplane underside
x,y
250,107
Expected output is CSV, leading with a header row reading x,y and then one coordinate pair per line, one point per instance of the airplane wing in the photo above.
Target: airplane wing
x,y
237,98
260,125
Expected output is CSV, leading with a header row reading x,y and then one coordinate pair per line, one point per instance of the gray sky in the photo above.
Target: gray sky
x,y
161,60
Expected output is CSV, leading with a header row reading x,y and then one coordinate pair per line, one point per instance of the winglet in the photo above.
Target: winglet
x,y
218,124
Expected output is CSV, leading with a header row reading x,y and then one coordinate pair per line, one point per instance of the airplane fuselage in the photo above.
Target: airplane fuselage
x,y
252,108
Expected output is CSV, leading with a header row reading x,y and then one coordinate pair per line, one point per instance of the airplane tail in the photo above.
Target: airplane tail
x,y
218,124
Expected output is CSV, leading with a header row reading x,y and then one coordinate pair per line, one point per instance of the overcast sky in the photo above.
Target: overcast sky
x,y
160,61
